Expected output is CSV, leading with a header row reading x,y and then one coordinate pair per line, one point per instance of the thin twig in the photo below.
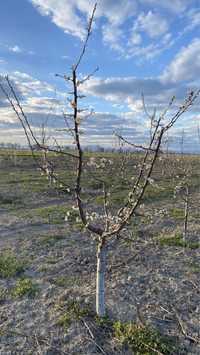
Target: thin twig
x,y
98,346
135,145
92,337
89,30
88,328
38,344
182,328
151,348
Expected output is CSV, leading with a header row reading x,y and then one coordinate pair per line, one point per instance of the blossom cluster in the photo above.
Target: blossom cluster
x,y
103,163
180,189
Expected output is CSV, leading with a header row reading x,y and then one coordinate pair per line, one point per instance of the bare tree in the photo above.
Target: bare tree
x,y
109,226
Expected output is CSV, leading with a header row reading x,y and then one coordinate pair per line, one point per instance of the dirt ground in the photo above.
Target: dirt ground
x,y
148,282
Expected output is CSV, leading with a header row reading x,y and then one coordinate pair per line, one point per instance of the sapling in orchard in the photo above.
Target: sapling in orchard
x,y
110,223
182,191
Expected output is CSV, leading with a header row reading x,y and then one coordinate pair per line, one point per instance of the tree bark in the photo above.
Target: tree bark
x,y
186,215
100,279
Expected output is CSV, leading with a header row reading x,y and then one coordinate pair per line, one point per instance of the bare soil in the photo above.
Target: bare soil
x,y
157,285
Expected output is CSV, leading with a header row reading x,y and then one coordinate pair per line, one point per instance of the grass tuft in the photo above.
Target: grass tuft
x,y
143,340
24,287
177,213
51,240
177,240
64,281
10,266
74,311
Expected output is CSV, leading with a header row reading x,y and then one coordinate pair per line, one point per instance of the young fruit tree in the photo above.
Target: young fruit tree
x,y
182,192
108,225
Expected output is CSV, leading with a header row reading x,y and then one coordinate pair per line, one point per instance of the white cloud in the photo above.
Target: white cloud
x,y
147,52
128,91
66,13
72,16
15,49
36,97
113,36
99,128
186,64
151,23
63,14
65,57
42,104
29,85
176,6
132,47
167,38
193,17
116,12
135,39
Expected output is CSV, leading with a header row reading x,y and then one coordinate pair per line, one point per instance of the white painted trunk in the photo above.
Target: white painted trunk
x,y
100,280
186,217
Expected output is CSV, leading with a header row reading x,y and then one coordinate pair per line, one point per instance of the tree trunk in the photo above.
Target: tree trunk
x,y
100,279
186,215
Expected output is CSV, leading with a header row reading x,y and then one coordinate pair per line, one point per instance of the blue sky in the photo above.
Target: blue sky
x,y
148,46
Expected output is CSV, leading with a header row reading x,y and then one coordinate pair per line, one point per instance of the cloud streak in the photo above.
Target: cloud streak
x,y
71,16
186,64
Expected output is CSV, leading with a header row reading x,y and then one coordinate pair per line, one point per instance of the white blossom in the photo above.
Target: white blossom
x,y
151,181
